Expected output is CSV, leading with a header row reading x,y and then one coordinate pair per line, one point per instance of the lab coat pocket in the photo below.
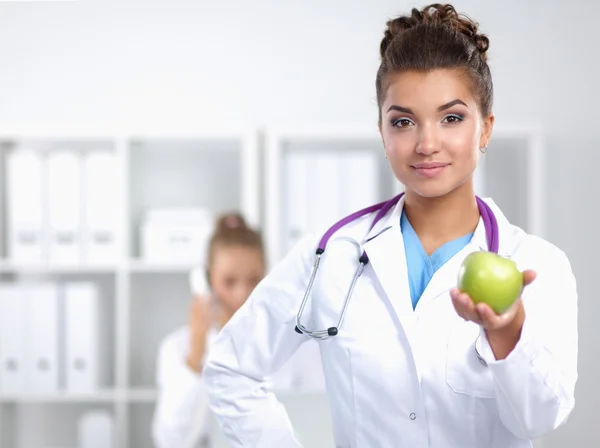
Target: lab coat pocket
x,y
466,372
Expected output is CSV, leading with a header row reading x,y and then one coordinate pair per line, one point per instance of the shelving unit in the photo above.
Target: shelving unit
x,y
217,170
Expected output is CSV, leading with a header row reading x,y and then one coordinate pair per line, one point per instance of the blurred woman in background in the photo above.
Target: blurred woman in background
x,y
235,265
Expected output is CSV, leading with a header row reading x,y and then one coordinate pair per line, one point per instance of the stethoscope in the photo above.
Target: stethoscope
x,y
491,232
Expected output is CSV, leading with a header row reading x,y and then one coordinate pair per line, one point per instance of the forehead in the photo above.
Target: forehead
x,y
426,91
238,258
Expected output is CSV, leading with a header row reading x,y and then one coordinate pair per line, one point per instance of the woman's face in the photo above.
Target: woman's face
x,y
432,130
235,271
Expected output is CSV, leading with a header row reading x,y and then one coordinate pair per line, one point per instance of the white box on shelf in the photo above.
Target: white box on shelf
x,y
13,346
82,345
176,236
96,429
64,207
42,337
102,195
25,176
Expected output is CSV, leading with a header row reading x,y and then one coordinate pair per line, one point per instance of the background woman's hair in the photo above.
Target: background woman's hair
x,y
436,37
231,230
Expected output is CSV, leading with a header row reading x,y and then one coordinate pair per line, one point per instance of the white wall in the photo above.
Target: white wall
x,y
284,62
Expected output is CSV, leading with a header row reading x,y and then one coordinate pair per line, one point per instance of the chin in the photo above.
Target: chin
x,y
431,190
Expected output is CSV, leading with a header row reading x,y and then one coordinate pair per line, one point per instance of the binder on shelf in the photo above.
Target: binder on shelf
x,y
325,190
25,206
296,200
41,333
64,208
360,181
82,348
13,330
321,188
101,210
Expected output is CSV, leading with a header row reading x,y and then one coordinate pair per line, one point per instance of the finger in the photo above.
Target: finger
x,y
459,308
465,307
489,318
468,304
492,320
528,276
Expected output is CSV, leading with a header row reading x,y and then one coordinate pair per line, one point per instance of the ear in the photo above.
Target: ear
x,y
486,130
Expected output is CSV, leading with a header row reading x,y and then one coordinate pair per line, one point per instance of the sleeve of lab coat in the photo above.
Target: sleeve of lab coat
x,y
535,384
181,394
256,342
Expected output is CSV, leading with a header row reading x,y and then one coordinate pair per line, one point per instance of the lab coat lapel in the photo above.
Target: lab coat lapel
x,y
385,248
446,277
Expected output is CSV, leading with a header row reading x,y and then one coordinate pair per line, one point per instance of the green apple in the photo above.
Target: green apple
x,y
487,277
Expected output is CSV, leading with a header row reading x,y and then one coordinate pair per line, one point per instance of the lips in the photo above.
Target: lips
x,y
428,165
430,169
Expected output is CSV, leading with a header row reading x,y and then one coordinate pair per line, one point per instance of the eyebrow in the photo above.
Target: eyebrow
x,y
450,104
407,110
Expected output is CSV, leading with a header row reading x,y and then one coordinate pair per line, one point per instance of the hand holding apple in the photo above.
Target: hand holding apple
x,y
489,290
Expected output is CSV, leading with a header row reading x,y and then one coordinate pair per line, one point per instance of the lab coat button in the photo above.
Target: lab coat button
x,y
413,416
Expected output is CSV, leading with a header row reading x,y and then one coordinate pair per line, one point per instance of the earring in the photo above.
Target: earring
x,y
483,150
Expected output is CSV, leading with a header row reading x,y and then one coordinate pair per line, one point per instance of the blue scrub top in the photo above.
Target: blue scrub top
x,y
421,267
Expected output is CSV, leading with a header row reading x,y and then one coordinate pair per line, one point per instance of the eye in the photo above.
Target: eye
x,y
453,119
402,123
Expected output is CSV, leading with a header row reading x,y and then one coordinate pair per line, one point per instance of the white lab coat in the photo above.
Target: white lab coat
x,y
182,415
397,377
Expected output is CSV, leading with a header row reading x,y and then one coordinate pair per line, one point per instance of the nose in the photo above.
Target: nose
x,y
428,142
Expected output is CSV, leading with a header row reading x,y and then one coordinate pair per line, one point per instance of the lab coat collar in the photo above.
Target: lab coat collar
x,y
387,222
507,243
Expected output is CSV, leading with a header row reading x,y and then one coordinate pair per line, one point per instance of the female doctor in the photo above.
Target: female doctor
x,y
235,265
413,363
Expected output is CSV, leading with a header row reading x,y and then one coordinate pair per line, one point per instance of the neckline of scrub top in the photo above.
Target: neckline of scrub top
x,y
421,266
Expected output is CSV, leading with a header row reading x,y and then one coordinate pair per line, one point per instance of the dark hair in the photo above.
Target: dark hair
x,y
436,37
231,230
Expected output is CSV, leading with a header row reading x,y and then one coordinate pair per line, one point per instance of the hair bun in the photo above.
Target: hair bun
x,y
231,230
231,221
436,13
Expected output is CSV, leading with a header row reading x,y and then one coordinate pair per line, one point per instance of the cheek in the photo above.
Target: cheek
x,y
223,292
400,151
231,296
399,146
462,146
